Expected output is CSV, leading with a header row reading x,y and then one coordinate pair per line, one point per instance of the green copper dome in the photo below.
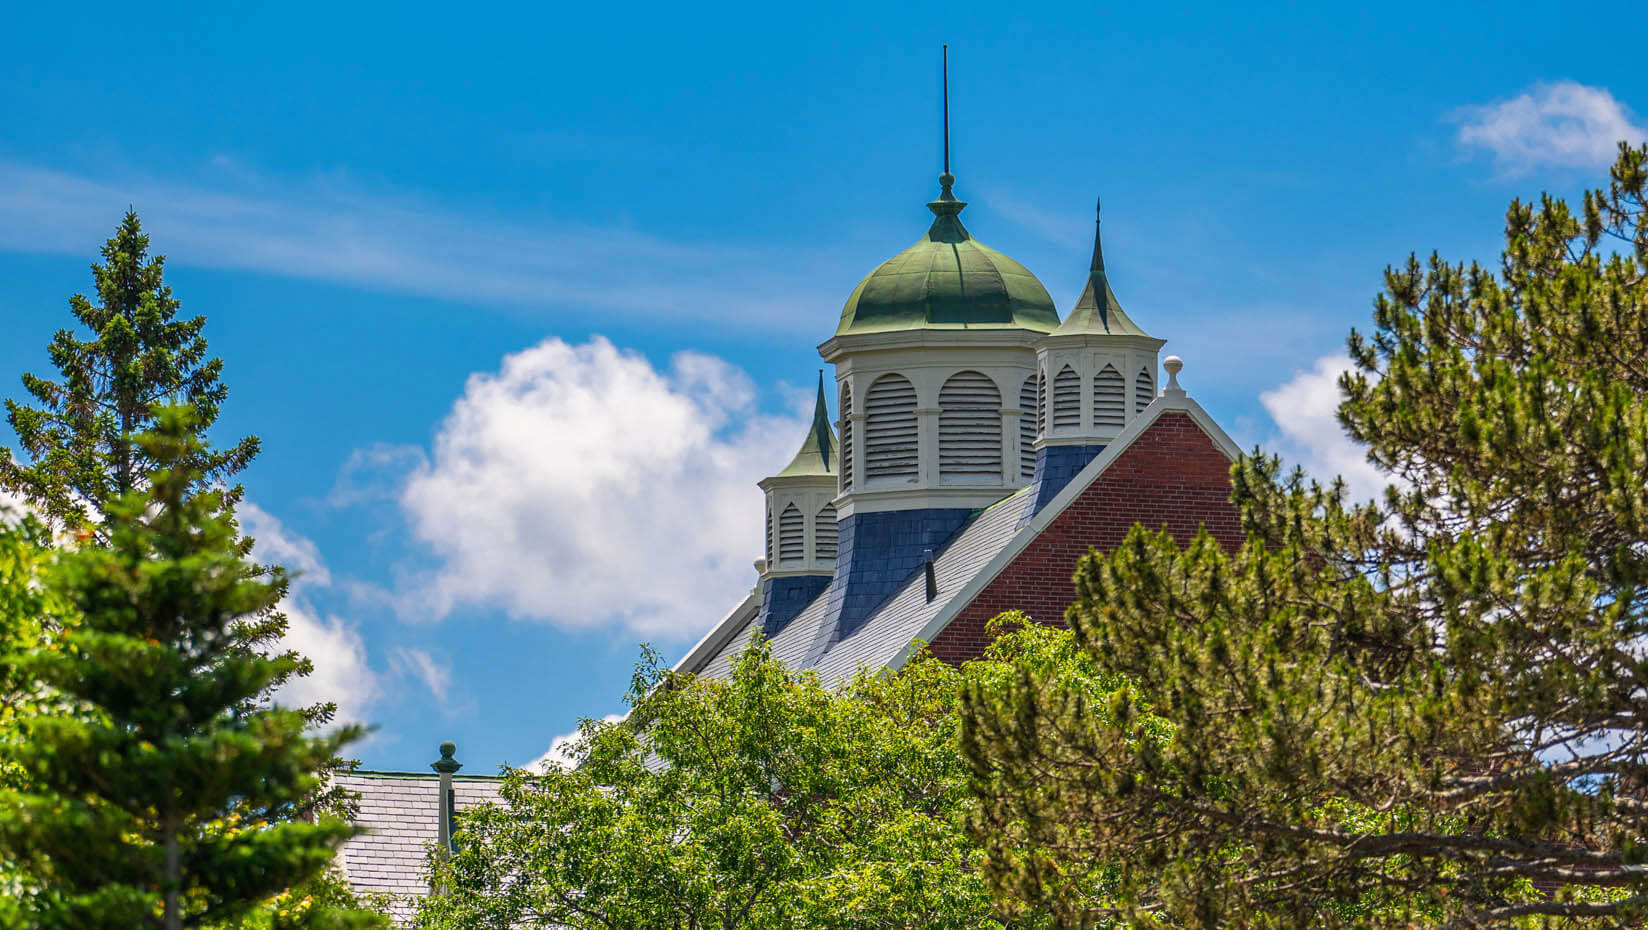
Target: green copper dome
x,y
948,280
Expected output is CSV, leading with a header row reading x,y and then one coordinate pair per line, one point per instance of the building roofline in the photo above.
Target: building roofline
x,y
1170,401
718,635
410,776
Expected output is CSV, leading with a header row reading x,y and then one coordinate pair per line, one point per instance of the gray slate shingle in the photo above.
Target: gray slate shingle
x,y
400,812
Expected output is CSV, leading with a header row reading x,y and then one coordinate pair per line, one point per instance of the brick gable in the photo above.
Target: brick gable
x,y
1172,475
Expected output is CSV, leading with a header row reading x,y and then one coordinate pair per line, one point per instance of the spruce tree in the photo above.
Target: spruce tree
x,y
1429,710
167,801
81,438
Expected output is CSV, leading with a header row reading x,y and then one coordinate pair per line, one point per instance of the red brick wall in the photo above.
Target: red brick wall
x,y
1172,475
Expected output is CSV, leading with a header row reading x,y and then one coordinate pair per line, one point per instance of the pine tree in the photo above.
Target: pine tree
x,y
81,439
167,801
1428,710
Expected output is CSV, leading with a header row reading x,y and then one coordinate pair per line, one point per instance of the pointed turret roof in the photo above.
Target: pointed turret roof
x,y
817,453
1098,310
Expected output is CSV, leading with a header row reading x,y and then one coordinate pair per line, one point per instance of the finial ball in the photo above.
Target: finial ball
x,y
946,179
448,749
1173,364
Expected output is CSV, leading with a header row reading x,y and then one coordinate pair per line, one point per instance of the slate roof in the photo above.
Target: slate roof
x,y
984,546
401,813
890,629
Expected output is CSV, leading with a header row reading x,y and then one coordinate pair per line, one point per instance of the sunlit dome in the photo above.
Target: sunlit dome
x,y
948,280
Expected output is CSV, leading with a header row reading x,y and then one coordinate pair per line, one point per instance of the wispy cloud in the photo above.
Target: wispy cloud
x,y
1564,125
435,677
329,229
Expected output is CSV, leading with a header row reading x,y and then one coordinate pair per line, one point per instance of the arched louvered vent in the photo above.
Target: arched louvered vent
x,y
845,429
969,428
792,528
1067,398
1027,428
1109,399
1144,390
824,533
890,428
1041,402
769,532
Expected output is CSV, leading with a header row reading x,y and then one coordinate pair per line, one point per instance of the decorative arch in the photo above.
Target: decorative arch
x,y
825,532
1067,398
1027,426
1109,399
969,428
890,428
792,528
1144,390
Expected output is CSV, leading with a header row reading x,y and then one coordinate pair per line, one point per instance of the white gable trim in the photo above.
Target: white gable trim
x,y
710,646
1168,402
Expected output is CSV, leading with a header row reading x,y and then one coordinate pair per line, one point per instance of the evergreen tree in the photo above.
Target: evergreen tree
x,y
167,801
1422,711
81,439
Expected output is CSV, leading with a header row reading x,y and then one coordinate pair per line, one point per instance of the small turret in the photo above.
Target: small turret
x,y
801,524
1095,373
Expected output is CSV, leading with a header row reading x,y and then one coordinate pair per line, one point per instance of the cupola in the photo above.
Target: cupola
x,y
935,373
801,524
1097,372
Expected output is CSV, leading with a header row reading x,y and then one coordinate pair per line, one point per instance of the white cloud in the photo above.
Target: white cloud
x,y
435,677
275,544
1305,410
329,229
1565,124
581,486
342,673
559,754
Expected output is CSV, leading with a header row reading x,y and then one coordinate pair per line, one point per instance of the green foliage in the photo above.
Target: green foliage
x,y
82,438
1422,711
166,800
760,801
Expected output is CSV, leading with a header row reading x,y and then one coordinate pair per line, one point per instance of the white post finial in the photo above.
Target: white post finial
x,y
1174,365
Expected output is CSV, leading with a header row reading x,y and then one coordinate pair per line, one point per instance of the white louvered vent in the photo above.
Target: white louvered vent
x,y
969,428
845,430
792,527
1067,398
1109,399
890,428
769,532
1041,403
824,533
1144,390
1027,428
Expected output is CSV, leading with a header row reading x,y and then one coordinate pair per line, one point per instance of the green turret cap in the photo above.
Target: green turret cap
x,y
446,764
1098,311
817,453
948,280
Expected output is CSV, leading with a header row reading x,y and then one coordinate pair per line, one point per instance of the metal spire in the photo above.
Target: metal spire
x,y
946,227
946,85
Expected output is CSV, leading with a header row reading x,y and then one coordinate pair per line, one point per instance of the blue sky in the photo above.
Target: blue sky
x,y
523,301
